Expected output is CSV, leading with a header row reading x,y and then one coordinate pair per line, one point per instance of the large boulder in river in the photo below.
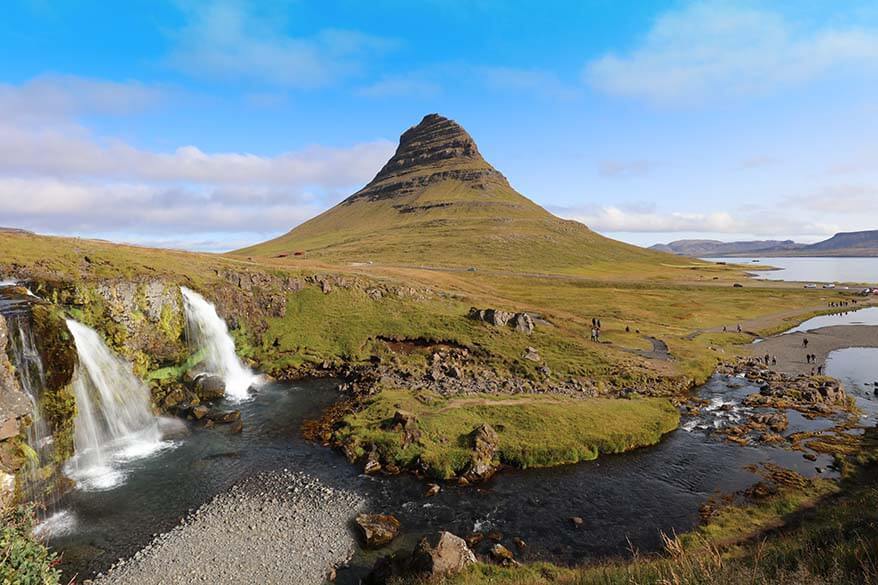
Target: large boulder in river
x,y
209,387
435,557
377,529
441,555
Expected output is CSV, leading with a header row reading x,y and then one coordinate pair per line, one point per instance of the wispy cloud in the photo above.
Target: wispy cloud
x,y
715,49
401,86
51,98
646,219
759,162
845,199
534,81
228,39
622,169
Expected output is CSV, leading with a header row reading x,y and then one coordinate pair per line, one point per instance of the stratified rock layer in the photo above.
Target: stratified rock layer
x,y
437,149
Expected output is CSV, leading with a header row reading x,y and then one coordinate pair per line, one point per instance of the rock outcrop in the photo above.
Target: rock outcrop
x,y
435,557
485,443
14,410
521,322
435,150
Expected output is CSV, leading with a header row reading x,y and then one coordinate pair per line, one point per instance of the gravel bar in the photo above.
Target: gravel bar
x,y
279,527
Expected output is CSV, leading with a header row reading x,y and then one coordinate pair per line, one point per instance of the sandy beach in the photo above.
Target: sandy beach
x,y
790,351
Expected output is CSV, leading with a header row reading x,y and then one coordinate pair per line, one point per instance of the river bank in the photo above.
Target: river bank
x,y
790,352
279,527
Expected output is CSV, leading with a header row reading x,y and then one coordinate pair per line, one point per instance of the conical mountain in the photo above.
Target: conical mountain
x,y
437,202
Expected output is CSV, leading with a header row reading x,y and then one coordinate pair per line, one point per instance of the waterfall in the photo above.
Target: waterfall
x,y
207,332
15,305
32,377
114,423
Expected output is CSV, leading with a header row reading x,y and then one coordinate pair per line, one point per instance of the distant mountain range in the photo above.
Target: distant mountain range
x,y
863,243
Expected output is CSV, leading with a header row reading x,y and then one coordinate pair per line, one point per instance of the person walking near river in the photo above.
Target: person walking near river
x,y
805,343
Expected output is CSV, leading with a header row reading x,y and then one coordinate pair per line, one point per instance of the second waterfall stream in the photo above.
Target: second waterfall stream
x,y
114,423
207,332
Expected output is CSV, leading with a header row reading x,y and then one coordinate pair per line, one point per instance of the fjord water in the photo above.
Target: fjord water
x,y
800,269
630,497
114,423
866,316
207,332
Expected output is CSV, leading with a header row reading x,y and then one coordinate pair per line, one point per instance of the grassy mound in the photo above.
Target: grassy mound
x,y
534,430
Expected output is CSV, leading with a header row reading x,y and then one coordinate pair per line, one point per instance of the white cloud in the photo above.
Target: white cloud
x,y
57,176
74,152
230,39
645,219
83,206
615,219
716,49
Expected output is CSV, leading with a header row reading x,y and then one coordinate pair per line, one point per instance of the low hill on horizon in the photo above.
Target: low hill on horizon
x,y
707,248
842,244
438,203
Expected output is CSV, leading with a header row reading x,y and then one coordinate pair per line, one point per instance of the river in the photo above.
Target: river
x,y
626,500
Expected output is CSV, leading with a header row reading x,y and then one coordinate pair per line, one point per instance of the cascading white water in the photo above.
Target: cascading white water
x,y
32,377
113,422
207,332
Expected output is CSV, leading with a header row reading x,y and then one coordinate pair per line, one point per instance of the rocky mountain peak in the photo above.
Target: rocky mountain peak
x,y
434,150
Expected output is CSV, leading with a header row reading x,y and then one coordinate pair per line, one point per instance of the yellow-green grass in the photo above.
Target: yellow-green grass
x,y
456,226
345,323
534,430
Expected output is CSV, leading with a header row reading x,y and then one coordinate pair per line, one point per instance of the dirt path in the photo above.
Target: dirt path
x,y
659,350
790,352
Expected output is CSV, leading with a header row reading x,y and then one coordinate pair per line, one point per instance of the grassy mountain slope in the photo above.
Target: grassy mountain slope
x,y
438,203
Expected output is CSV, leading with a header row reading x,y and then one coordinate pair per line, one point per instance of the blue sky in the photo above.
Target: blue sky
x,y
214,124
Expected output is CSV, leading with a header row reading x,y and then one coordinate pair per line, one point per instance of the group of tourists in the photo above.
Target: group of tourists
x,y
840,303
770,360
595,330
811,358
726,329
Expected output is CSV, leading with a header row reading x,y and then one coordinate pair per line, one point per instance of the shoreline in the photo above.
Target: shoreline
x,y
790,352
275,527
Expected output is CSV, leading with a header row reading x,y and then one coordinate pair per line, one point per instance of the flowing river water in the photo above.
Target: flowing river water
x,y
626,500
